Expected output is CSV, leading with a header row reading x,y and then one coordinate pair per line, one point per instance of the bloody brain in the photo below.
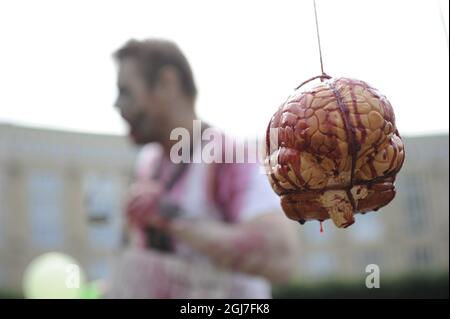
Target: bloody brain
x,y
333,150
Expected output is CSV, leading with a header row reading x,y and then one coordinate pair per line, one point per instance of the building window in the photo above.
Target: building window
x,y
320,263
102,207
45,201
368,228
421,258
415,203
98,270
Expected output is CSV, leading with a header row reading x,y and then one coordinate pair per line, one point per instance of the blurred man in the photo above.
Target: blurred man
x,y
197,229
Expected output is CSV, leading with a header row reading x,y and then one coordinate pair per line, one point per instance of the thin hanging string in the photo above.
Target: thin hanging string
x,y
318,39
323,75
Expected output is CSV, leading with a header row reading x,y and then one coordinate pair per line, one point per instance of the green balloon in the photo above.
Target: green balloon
x,y
53,276
91,291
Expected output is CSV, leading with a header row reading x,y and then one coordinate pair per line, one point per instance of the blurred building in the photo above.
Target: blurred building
x,y
64,191
60,191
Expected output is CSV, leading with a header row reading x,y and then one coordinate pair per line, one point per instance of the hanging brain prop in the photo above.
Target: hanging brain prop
x,y
333,150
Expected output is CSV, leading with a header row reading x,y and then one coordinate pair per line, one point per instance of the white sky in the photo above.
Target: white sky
x,y
56,68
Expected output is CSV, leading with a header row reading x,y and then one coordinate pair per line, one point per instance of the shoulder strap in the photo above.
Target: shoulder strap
x,y
213,190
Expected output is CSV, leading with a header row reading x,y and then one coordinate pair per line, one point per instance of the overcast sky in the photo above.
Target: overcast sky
x,y
56,68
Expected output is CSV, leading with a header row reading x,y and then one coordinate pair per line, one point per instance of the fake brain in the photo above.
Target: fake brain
x,y
332,151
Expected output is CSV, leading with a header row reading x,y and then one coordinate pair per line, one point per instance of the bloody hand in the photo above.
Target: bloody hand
x,y
143,205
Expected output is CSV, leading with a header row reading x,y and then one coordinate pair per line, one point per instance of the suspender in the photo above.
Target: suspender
x,y
155,238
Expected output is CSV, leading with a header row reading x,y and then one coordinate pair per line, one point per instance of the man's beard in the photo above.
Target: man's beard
x,y
144,130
